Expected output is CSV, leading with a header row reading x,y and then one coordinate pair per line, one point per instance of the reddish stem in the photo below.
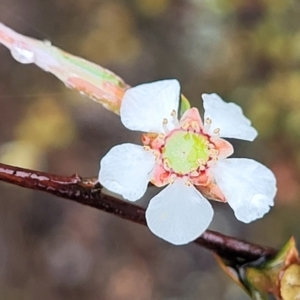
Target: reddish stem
x,y
89,192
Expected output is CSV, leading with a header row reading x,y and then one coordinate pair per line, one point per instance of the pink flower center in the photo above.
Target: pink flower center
x,y
185,151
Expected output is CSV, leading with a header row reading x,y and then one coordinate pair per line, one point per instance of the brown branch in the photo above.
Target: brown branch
x,y
89,192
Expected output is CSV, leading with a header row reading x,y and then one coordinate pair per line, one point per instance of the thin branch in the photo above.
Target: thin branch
x,y
89,192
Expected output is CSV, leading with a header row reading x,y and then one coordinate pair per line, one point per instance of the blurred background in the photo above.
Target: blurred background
x,y
246,51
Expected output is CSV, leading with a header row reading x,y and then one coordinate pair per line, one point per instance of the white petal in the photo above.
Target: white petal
x,y
126,170
179,214
144,107
228,117
248,186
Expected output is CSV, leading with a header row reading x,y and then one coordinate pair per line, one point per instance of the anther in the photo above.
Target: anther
x,y
185,126
157,155
213,152
166,165
200,162
208,121
172,178
174,115
195,126
217,131
164,123
194,173
188,183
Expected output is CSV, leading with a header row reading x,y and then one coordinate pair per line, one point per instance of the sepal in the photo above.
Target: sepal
x,y
278,276
184,105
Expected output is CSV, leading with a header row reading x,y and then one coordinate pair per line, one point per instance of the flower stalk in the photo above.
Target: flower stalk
x,y
87,191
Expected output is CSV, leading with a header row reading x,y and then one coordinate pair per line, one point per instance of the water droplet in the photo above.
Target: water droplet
x,y
22,54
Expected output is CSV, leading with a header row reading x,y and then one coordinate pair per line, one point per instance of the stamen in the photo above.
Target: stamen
x,y
174,119
217,131
161,136
147,148
185,126
165,122
194,173
157,156
172,178
195,126
213,152
188,183
208,122
166,165
200,162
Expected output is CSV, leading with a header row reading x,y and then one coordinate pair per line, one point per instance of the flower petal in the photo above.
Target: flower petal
x,y
144,107
211,191
179,214
126,170
228,117
224,148
160,176
249,187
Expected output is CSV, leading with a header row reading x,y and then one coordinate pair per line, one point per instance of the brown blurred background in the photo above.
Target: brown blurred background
x,y
246,51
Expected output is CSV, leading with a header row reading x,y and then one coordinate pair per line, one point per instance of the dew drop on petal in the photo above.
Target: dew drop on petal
x,y
22,54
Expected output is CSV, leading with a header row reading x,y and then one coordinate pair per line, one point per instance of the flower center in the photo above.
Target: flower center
x,y
185,151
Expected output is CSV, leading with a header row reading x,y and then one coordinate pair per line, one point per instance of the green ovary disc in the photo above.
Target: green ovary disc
x,y
184,149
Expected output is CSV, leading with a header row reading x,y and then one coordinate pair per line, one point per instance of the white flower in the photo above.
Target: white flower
x,y
185,153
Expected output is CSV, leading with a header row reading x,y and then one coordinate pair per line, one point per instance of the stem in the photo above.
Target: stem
x,y
89,192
